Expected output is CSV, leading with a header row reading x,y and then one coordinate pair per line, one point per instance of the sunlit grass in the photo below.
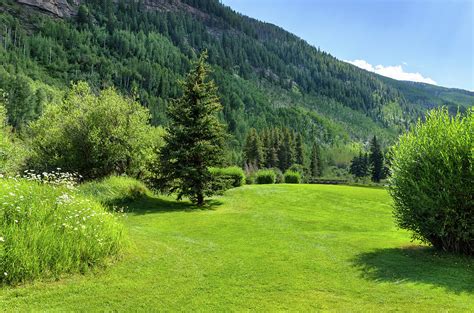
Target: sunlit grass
x,y
265,248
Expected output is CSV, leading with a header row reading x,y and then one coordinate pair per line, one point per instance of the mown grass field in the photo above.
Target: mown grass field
x,y
266,248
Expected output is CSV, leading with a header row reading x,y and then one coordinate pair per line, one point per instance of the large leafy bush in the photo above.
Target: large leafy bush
x,y
94,135
432,181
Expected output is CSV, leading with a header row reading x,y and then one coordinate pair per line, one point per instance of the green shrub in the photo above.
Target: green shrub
x,y
292,177
233,174
265,177
95,136
46,231
432,181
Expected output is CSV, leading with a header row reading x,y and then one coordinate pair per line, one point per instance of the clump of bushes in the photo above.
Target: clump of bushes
x,y
94,135
292,177
432,181
234,176
46,231
265,177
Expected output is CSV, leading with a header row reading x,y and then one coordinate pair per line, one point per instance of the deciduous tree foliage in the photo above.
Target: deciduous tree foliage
x,y
195,138
93,135
432,181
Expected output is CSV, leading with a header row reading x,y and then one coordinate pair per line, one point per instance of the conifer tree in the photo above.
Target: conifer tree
x,y
299,150
316,166
253,149
360,165
194,139
376,160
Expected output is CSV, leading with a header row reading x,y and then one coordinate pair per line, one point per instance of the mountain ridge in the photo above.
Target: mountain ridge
x,y
266,76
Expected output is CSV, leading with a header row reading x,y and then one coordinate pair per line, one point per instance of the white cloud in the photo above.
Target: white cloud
x,y
395,72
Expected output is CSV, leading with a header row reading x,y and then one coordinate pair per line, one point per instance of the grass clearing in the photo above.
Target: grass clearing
x,y
264,247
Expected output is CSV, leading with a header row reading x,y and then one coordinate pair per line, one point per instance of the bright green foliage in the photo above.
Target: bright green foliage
x,y
95,136
292,177
253,150
265,248
195,138
46,231
234,175
316,164
432,181
376,160
265,177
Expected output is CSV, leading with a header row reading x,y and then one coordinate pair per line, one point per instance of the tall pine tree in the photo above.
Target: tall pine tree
x,y
316,165
194,139
253,149
376,160
299,150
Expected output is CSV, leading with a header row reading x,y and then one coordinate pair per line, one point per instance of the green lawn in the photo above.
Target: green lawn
x,y
280,247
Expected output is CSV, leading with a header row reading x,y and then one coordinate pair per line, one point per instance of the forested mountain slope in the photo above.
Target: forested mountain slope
x,y
266,76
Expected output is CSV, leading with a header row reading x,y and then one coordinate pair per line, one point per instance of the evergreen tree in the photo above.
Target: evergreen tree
x,y
195,138
360,165
253,149
316,166
376,160
299,150
270,155
286,150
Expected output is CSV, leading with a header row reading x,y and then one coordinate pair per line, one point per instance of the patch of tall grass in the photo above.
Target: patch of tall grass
x,y
49,230
115,190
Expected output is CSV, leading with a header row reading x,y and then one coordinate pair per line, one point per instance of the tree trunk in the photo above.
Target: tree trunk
x,y
200,199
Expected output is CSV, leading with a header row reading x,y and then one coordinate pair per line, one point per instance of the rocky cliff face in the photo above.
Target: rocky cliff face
x,y
60,8
67,8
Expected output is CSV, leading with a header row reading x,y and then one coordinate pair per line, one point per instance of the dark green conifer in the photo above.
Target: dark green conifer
x,y
194,139
376,160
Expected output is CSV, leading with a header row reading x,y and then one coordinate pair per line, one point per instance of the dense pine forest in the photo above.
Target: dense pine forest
x,y
267,77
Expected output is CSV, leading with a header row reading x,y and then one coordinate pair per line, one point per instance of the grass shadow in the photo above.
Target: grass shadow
x,y
148,204
418,264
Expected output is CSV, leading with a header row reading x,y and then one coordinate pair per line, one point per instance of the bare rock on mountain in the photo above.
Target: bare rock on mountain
x,y
60,8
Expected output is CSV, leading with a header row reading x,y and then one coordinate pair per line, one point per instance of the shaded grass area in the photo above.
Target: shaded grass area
x,y
264,248
419,265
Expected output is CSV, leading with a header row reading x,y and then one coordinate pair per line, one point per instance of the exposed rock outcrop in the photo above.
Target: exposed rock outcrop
x,y
60,8
67,8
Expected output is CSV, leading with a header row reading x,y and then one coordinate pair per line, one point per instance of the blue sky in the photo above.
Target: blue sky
x,y
420,40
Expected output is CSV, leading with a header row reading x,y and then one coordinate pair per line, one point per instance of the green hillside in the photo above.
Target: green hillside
x,y
267,77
